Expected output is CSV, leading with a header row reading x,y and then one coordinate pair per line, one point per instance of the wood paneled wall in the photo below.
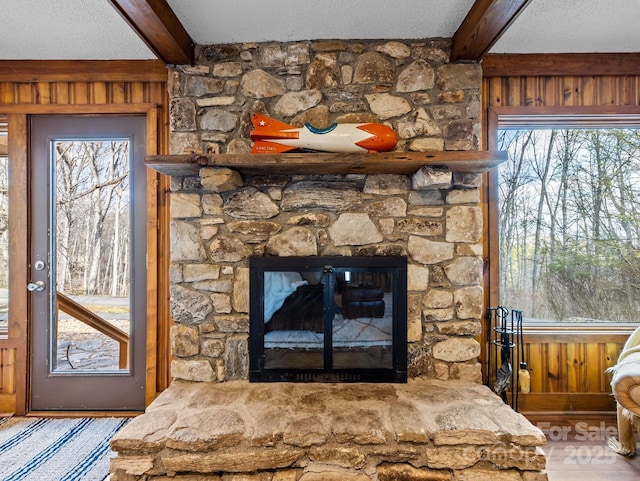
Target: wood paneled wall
x,y
7,377
567,368
82,82
607,92
96,87
567,365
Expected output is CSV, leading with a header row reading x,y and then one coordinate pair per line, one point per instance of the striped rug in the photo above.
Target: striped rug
x,y
56,449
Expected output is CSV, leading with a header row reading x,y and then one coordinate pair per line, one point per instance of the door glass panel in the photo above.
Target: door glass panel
x,y
4,233
90,253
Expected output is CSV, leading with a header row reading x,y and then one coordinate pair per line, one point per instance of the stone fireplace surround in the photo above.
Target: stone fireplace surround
x,y
211,423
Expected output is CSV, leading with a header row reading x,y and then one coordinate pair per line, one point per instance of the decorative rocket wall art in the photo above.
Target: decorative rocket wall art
x,y
271,136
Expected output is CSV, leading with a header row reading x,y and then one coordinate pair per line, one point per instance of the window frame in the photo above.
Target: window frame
x,y
4,331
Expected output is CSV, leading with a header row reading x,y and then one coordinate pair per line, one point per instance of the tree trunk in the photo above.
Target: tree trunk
x,y
541,202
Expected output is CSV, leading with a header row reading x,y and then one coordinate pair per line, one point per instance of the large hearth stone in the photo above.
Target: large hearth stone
x,y
423,430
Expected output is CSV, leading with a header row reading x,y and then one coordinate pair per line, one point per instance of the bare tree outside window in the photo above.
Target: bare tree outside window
x,y
569,217
92,217
92,214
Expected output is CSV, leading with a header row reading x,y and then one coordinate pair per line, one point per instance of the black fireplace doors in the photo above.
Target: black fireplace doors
x,y
328,319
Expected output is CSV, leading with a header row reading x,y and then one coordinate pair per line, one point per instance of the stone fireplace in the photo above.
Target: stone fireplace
x,y
221,218
442,424
433,218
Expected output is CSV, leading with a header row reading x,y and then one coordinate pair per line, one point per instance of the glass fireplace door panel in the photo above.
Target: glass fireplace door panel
x,y
363,326
293,320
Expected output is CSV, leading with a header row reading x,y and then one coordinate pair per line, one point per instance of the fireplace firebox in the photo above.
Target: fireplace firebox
x,y
328,319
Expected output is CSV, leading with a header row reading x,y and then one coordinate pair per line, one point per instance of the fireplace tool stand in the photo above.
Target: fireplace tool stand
x,y
504,332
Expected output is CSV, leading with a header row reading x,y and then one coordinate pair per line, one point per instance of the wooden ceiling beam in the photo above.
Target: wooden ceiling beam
x,y
159,28
483,26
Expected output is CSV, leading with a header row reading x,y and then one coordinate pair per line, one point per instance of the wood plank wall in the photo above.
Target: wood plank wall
x,y
68,87
568,374
556,91
7,378
561,80
568,369
568,365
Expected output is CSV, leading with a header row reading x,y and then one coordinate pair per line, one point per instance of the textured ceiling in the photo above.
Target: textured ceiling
x,y
66,30
92,29
574,26
222,21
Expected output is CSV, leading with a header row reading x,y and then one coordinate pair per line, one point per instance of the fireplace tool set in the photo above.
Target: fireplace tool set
x,y
504,336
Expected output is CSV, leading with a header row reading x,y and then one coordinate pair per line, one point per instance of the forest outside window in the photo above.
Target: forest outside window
x,y
569,222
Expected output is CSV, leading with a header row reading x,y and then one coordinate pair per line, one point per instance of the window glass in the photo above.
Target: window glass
x,y
569,223
91,249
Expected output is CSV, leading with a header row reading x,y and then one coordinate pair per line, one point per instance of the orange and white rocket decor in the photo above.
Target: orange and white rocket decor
x,y
271,136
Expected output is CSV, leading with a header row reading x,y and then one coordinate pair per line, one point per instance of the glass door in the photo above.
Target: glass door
x,y
88,284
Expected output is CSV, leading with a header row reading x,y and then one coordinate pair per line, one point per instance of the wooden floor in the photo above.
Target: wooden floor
x,y
577,451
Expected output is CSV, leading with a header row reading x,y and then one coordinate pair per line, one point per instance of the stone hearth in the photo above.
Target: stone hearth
x,y
239,431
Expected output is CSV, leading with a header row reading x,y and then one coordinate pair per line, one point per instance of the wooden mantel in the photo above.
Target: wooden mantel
x,y
308,163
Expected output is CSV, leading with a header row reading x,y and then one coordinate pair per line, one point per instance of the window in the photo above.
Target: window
x,y
569,220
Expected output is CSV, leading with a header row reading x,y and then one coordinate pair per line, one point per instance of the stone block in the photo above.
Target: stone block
x,y
184,340
406,472
354,229
429,252
185,205
457,349
199,370
464,224
430,178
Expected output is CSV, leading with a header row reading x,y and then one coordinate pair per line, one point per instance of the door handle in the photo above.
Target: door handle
x,y
36,286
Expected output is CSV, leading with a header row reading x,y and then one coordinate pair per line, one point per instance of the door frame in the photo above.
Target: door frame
x,y
19,239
